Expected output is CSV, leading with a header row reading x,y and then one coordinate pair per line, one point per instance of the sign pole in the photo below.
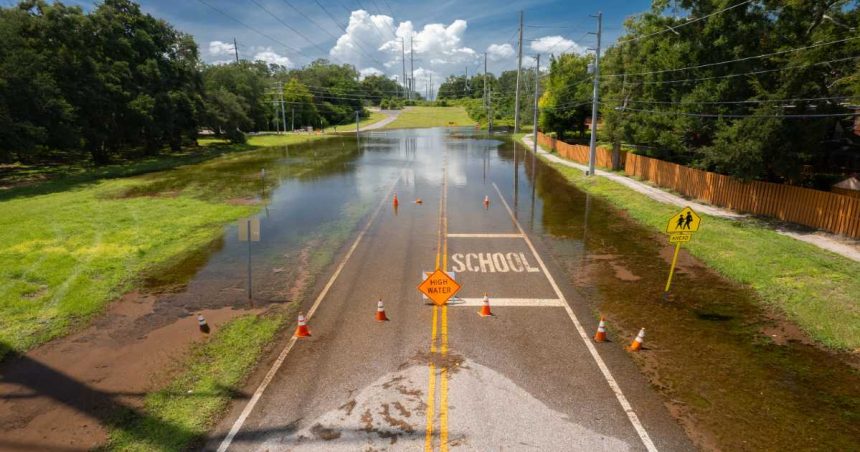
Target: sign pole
x,y
249,259
672,268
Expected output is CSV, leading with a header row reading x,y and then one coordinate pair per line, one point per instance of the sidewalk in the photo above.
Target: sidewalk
x,y
842,246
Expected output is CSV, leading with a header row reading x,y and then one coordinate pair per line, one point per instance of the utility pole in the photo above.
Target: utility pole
x,y
403,60
485,86
293,119
283,111
592,154
430,94
411,68
356,123
537,96
519,70
236,50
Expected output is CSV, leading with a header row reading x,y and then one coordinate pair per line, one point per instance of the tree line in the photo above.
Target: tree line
x,y
501,93
116,82
758,90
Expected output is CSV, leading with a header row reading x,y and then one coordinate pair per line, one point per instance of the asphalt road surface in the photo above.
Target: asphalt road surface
x,y
443,377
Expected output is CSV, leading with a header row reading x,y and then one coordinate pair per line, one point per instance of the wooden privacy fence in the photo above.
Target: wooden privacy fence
x,y
818,209
578,152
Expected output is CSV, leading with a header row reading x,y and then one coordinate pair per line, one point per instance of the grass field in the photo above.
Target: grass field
x,y
70,245
815,288
415,117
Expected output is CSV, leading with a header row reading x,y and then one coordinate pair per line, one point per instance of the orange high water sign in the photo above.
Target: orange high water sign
x,y
439,287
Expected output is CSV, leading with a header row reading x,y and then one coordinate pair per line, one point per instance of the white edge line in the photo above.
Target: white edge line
x,y
225,444
487,236
521,302
622,400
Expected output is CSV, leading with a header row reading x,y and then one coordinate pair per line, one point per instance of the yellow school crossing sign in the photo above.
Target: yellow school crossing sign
x,y
680,228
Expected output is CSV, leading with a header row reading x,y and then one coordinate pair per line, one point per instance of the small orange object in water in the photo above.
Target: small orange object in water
x,y
486,202
395,202
419,201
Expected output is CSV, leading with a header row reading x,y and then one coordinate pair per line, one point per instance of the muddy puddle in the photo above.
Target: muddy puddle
x,y
736,374
310,197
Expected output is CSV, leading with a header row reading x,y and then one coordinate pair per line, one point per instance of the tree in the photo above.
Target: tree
x,y
565,103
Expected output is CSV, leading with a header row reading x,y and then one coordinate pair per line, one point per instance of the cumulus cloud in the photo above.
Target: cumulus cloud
x,y
376,42
556,45
497,52
368,71
221,48
271,57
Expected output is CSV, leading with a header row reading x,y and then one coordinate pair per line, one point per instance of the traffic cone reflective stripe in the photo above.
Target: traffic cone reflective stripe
x,y
485,309
302,329
601,332
201,323
637,343
380,312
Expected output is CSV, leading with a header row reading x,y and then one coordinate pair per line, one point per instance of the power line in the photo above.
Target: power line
x,y
733,102
762,71
688,22
719,115
700,66
288,26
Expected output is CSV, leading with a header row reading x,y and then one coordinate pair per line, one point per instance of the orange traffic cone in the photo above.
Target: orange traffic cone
x,y
485,309
636,345
419,201
395,202
380,312
201,322
302,329
486,202
601,331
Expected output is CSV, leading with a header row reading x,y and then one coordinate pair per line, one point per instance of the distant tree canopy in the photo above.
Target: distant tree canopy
x,y
671,93
101,82
116,82
501,95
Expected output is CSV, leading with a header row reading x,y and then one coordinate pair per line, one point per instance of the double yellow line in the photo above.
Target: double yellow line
x,y
437,336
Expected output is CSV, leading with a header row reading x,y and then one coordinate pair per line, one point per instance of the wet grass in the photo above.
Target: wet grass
x,y
65,253
415,117
815,288
201,391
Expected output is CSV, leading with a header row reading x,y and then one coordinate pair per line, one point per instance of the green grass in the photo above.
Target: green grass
x,y
416,117
71,245
176,416
817,289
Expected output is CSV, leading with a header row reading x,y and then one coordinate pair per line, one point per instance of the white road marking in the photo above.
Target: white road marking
x,y
492,263
225,444
487,236
512,302
622,400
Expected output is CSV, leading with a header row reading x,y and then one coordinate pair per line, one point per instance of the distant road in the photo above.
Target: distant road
x,y
391,116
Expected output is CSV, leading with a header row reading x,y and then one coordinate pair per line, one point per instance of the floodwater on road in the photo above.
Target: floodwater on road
x,y
735,374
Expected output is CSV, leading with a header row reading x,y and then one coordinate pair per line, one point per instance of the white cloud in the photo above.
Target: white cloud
x,y
270,57
374,42
497,52
556,45
221,48
368,71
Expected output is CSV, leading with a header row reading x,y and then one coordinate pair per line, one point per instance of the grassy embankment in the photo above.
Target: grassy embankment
x,y
70,245
415,117
815,288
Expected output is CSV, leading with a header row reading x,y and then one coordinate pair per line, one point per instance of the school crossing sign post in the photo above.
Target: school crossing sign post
x,y
680,228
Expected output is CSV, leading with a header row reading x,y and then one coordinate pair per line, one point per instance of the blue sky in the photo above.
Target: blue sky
x,y
449,35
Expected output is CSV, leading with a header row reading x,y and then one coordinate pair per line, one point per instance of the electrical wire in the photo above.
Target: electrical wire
x,y
688,22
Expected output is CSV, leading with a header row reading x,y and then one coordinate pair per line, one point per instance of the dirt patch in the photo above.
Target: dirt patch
x,y
348,407
325,434
63,393
622,272
450,361
394,422
243,201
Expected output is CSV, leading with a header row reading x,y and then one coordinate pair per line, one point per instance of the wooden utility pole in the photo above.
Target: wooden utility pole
x,y
236,49
519,70
537,96
592,154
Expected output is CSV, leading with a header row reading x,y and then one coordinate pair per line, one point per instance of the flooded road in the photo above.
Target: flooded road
x,y
735,374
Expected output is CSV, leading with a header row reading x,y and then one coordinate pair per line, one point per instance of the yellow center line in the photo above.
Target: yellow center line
x,y
443,386
431,387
